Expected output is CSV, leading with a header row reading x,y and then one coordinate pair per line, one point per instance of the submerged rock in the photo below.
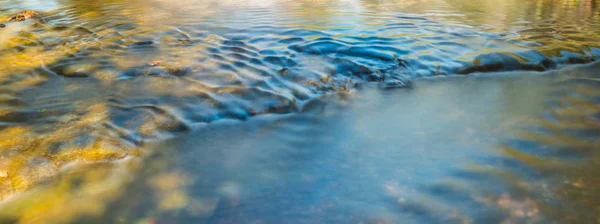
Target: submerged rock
x,y
501,62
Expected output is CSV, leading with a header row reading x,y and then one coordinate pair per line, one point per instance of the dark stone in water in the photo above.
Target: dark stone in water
x,y
580,60
60,27
499,62
283,71
2,25
496,62
548,64
179,71
143,43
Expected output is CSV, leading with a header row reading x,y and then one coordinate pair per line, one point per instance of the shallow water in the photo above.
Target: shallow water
x,y
496,148
304,112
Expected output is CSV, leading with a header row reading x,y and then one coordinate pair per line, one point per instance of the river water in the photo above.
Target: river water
x,y
432,111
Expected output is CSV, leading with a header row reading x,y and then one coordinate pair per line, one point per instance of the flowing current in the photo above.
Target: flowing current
x,y
265,111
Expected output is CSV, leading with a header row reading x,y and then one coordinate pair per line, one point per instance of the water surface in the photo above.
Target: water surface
x,y
299,111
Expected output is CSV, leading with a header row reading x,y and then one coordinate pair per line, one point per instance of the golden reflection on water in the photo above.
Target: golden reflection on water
x,y
567,166
85,189
30,157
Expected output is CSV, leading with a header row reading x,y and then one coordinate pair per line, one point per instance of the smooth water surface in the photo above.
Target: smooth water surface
x,y
299,111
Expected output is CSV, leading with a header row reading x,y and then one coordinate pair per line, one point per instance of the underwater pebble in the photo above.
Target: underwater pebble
x,y
3,174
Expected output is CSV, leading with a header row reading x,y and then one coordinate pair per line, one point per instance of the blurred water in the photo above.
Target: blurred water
x,y
88,85
512,147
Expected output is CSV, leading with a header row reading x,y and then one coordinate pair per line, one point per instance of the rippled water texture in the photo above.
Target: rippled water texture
x,y
300,111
